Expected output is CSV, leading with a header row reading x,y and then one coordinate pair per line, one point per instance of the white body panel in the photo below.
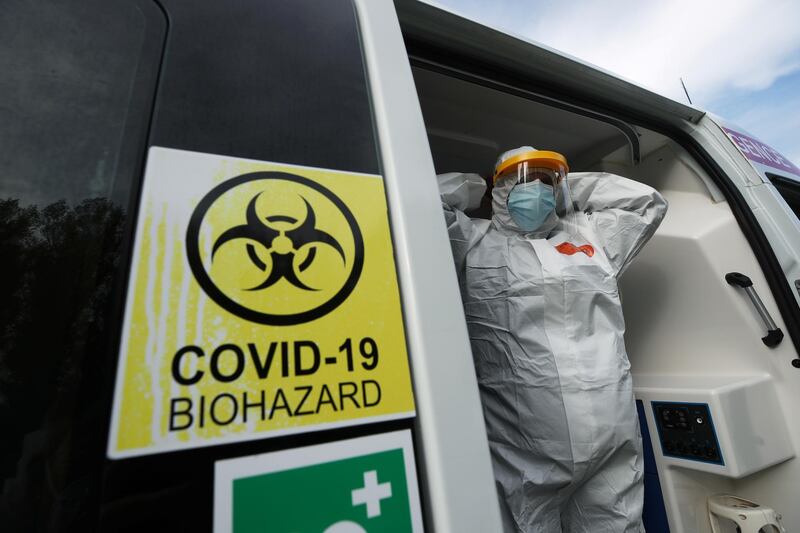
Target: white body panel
x,y
456,471
683,319
775,217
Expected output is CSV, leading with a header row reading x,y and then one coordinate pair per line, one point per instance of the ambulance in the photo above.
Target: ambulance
x,y
228,296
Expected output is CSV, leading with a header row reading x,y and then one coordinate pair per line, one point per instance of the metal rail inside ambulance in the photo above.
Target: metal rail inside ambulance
x,y
228,296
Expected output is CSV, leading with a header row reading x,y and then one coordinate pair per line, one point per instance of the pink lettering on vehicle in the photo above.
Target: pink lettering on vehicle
x,y
755,150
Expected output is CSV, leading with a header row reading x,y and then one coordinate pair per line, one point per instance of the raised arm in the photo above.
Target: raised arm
x,y
460,192
623,213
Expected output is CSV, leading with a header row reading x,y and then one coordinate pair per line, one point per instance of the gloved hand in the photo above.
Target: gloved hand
x,y
461,191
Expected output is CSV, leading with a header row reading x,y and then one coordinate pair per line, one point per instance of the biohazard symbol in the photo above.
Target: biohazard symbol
x,y
278,242
250,211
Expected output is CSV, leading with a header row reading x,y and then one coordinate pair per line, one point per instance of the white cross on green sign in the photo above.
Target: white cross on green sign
x,y
361,485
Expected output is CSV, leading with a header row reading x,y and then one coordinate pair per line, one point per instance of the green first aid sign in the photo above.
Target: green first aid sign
x,y
366,493
361,485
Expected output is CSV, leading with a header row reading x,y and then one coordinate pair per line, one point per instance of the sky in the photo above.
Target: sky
x,y
739,59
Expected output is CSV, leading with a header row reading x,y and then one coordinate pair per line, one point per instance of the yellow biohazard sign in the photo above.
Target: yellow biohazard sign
x,y
263,301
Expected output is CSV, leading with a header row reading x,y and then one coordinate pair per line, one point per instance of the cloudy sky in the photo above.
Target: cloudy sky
x,y
740,59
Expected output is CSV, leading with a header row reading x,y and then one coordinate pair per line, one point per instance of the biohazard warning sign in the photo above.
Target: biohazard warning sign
x,y
262,301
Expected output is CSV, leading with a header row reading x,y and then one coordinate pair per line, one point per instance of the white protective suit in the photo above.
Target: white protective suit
x,y
546,330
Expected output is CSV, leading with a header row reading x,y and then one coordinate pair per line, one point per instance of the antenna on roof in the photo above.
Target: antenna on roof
x,y
684,90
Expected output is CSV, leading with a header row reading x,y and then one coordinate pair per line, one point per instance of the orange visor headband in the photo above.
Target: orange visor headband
x,y
535,158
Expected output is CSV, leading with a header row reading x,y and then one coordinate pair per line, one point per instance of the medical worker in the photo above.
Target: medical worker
x,y
539,285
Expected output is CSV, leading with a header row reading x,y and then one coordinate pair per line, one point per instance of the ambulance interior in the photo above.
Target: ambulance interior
x,y
692,338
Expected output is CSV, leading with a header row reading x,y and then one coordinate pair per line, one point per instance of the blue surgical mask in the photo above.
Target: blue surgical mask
x,y
530,204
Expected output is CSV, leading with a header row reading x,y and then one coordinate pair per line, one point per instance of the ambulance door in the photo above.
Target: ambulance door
x,y
293,353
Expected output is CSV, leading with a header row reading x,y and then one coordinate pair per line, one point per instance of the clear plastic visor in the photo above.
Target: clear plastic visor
x,y
529,172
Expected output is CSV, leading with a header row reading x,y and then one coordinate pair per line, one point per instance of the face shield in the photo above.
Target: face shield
x,y
539,188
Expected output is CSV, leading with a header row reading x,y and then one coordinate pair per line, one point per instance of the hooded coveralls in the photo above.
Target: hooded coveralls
x,y
546,328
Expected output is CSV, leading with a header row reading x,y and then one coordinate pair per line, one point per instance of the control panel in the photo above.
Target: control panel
x,y
725,425
686,431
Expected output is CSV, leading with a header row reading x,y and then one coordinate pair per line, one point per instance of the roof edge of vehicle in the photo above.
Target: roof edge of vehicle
x,y
726,124
439,27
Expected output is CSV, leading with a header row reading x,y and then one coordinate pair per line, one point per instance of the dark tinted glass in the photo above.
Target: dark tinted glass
x,y
76,88
789,189
274,81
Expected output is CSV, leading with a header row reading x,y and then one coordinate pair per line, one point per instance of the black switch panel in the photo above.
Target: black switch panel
x,y
686,431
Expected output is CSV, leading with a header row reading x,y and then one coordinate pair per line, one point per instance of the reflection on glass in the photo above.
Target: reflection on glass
x,y
73,113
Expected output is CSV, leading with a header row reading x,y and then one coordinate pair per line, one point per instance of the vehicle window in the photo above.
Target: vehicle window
x,y
789,189
290,88
76,92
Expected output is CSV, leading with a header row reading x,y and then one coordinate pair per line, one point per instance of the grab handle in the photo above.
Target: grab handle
x,y
774,334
